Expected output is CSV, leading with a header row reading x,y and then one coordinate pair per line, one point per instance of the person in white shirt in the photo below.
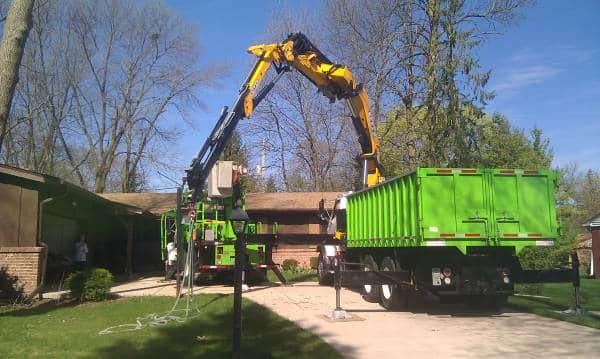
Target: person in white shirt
x,y
171,260
81,252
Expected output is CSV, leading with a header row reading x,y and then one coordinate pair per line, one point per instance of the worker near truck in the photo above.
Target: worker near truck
x,y
80,254
171,262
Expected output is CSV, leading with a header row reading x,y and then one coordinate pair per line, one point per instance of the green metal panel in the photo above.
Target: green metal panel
x,y
224,236
455,207
225,254
383,216
524,208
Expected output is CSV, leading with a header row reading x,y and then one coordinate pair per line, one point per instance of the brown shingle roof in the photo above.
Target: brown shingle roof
x,y
289,201
157,203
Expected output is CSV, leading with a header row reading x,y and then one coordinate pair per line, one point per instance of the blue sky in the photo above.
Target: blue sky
x,y
546,68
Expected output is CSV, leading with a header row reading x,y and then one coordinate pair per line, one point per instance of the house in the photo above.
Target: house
x,y
289,219
296,215
593,226
42,216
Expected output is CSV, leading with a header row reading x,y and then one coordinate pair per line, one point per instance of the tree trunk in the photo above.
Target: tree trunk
x,y
16,29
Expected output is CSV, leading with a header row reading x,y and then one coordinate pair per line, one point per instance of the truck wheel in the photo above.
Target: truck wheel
x,y
256,276
369,292
325,278
496,302
391,296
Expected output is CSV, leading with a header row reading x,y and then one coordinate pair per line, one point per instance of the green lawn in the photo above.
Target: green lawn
x,y
561,297
72,331
300,275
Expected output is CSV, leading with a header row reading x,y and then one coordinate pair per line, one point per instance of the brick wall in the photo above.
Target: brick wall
x,y
300,252
25,263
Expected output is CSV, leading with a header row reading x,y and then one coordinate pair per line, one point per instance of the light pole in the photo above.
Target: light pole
x,y
238,218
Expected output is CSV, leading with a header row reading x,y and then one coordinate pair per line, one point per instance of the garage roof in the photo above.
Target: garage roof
x,y
52,186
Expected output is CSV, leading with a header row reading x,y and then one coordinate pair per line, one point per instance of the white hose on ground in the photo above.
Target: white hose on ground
x,y
155,319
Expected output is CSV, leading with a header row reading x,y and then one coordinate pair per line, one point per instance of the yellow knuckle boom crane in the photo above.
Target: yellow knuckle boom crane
x,y
334,81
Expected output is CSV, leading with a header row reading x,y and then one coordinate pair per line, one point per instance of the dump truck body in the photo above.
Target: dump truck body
x,y
461,208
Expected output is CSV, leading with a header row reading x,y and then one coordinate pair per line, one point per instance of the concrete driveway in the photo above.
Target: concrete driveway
x,y
439,331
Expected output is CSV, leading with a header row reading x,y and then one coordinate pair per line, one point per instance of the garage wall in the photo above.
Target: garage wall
x,y
18,216
25,263
59,234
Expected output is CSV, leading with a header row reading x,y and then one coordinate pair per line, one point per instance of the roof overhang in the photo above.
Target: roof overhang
x,y
18,172
592,223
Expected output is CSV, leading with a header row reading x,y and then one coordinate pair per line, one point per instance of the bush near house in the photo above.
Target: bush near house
x,y
90,285
290,265
9,285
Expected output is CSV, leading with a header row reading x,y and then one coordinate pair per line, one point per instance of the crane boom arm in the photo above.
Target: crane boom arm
x,y
336,82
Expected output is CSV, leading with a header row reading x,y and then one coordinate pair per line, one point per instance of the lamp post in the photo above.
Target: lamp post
x,y
238,218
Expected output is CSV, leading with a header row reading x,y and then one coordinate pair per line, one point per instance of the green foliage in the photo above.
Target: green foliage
x,y
313,262
9,285
75,282
90,285
298,275
236,151
588,194
578,199
270,185
499,144
401,137
550,257
478,141
290,264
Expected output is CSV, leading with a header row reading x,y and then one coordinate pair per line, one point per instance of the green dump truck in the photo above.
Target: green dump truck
x,y
448,232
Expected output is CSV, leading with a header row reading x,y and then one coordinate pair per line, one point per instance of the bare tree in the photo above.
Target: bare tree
x,y
140,63
99,80
416,58
302,132
14,36
3,10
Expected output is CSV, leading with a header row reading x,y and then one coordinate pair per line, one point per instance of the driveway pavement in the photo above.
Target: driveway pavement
x,y
436,332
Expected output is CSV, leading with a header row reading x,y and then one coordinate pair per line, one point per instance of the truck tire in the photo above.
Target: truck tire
x,y
369,292
256,276
325,278
391,296
496,302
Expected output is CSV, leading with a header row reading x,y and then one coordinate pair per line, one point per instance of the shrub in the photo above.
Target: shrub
x,y
9,285
93,284
548,257
314,261
290,264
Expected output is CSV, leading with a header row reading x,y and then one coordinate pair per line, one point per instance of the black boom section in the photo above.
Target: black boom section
x,y
303,45
212,148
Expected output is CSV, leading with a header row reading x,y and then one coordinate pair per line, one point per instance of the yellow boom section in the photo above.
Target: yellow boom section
x,y
336,82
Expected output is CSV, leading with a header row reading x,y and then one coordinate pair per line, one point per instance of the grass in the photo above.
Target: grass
x,y
72,330
299,275
561,297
